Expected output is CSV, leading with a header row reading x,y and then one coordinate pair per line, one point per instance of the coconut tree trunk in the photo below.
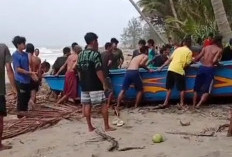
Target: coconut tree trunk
x,y
174,12
221,19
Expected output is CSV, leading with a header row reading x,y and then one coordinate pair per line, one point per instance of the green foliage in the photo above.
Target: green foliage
x,y
195,17
132,33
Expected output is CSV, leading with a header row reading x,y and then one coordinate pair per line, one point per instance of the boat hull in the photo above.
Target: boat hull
x,y
154,83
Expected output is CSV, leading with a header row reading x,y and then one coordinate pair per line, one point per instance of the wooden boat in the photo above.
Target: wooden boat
x,y
154,83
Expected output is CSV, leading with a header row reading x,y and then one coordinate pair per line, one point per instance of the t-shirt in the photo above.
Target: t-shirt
x,y
151,54
227,54
106,57
181,58
89,62
21,60
58,64
159,61
135,53
118,55
5,57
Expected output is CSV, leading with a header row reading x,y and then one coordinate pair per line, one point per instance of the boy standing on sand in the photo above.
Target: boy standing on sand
x,y
92,80
71,84
179,60
5,62
132,76
107,57
35,63
22,74
210,56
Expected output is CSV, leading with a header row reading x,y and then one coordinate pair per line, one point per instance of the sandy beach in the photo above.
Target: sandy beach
x,y
71,138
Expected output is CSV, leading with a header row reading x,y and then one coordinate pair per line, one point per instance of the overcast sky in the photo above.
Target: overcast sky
x,y
60,22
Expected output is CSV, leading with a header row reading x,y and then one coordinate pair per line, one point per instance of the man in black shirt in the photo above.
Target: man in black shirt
x,y
136,52
227,52
60,61
92,80
163,57
107,58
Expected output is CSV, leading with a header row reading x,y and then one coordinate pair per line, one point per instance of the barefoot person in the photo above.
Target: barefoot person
x,y
22,74
71,84
5,62
92,80
179,60
107,58
209,57
34,66
132,76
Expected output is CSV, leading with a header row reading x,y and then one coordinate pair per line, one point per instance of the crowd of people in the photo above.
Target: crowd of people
x,y
90,69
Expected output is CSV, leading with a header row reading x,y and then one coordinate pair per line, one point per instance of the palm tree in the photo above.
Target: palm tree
x,y
221,19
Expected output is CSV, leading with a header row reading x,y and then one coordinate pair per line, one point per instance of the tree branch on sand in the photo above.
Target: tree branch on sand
x,y
114,143
192,134
229,134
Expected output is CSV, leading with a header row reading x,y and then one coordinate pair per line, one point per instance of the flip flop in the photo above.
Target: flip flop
x,y
120,123
115,121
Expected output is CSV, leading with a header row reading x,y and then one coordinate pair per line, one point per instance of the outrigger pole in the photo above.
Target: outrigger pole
x,y
148,22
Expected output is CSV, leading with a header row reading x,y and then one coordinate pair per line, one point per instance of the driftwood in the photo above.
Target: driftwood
x,y
45,117
229,134
114,143
191,134
222,127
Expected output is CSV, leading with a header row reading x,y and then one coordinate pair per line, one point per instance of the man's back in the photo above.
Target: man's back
x,y
181,57
212,53
89,62
137,61
72,59
35,63
58,63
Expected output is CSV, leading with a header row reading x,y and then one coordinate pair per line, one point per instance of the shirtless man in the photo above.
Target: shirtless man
x,y
210,56
70,87
132,76
34,67
36,52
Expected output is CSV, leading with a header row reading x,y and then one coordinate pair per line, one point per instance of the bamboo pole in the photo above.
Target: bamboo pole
x,y
148,22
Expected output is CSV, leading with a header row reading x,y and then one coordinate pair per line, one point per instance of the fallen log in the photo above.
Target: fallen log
x,y
191,134
229,134
114,143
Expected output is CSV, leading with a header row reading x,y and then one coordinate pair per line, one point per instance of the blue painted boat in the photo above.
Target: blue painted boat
x,y
154,83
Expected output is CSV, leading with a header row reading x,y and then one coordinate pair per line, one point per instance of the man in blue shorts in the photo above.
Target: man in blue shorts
x,y
132,76
210,56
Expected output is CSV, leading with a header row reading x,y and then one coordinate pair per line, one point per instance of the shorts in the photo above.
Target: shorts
x,y
35,85
3,106
93,98
132,77
108,86
175,79
204,79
